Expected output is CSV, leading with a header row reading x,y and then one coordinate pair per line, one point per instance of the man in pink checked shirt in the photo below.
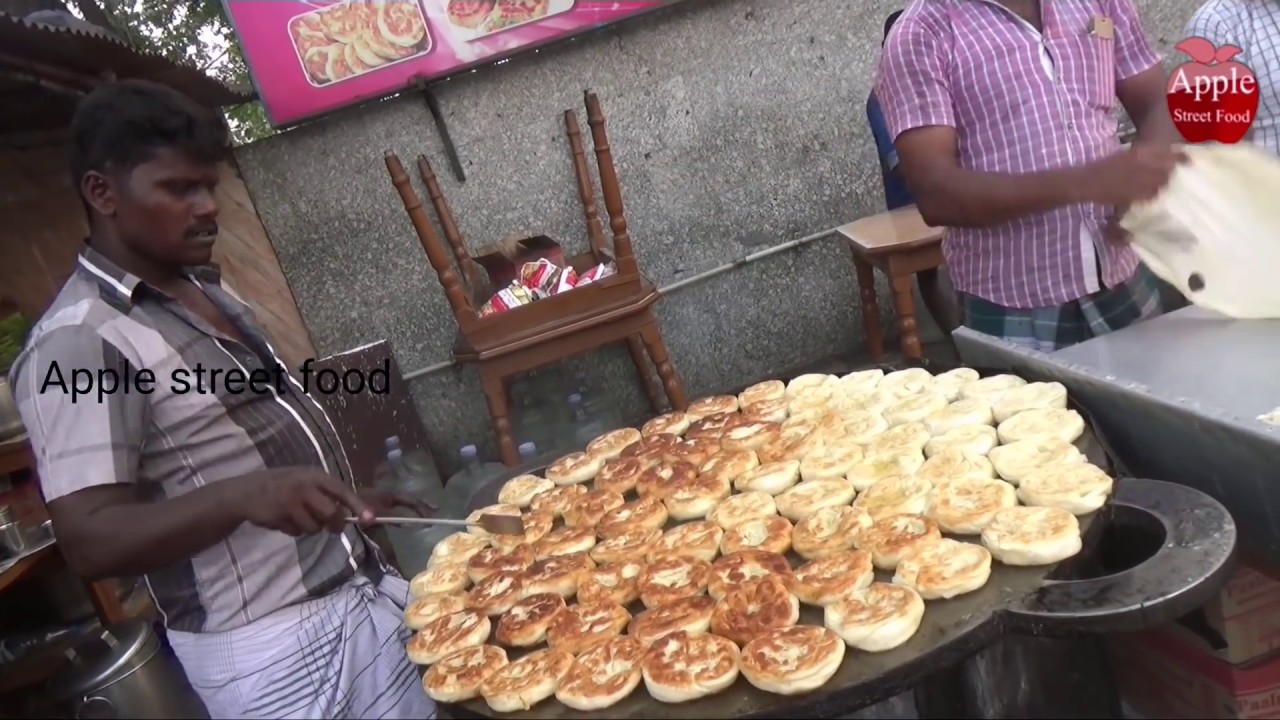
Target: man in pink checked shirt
x,y
1003,117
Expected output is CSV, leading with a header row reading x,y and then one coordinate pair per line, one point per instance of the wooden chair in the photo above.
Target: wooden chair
x,y
614,309
900,245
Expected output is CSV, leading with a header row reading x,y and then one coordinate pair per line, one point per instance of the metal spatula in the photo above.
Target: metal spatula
x,y
490,522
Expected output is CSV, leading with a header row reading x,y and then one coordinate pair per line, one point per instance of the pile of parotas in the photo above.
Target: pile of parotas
x,y
678,555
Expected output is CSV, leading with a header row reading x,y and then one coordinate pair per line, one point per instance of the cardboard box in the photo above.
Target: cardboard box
x,y
1243,621
1162,675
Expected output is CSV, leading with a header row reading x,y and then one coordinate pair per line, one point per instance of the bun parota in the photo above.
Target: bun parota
x,y
629,546
497,593
915,408
424,609
895,495
672,423
586,510
745,565
944,569
1032,536
536,527
869,472
753,607
525,625
967,505
951,382
646,513
794,660
961,413
863,426
829,531
991,388
737,509
603,675
892,537
555,502
523,683
620,474
448,634
1065,425
972,439
574,468
681,666
458,547
698,539
703,407
861,381
440,578
809,497
823,581
833,461
902,383
691,615
458,676
877,618
616,583
519,490
767,390
1079,488
585,624
1013,461
772,478
772,534
1032,396
672,578
611,444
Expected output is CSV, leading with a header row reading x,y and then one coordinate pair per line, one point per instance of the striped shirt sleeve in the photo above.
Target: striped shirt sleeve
x,y
912,84
79,439
1134,53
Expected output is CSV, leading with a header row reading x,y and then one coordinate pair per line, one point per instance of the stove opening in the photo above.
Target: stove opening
x,y
1120,538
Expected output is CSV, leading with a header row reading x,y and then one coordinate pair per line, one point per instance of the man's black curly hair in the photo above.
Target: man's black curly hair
x,y
121,125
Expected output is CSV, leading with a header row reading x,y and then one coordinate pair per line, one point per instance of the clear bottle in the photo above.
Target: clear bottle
x,y
598,405
414,471
413,477
528,451
585,427
467,482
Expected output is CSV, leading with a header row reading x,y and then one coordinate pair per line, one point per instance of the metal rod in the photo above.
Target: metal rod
x,y
677,285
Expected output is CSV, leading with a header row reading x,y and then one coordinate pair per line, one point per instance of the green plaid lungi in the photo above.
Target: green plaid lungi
x,y
1057,326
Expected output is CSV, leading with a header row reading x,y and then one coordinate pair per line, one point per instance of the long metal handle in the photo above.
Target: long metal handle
x,y
416,521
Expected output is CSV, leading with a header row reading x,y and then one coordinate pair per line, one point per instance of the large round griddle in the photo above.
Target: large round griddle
x,y
1155,552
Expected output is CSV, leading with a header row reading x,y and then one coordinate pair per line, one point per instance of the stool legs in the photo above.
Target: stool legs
x,y
495,393
904,305
652,338
870,307
651,385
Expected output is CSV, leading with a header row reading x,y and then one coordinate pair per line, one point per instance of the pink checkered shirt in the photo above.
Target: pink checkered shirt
x,y
1020,102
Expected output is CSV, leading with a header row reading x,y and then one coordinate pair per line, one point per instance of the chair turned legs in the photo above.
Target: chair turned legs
x,y
870,308
651,385
657,349
904,305
495,393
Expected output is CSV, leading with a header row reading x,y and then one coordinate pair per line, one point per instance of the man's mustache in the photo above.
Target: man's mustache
x,y
203,229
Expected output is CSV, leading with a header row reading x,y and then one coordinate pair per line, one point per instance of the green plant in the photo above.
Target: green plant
x,y
13,331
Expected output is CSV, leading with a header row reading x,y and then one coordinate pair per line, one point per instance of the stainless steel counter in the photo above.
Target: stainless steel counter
x,y
1177,397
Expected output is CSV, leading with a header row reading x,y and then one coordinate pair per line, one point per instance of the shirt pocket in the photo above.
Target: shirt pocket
x,y
1089,70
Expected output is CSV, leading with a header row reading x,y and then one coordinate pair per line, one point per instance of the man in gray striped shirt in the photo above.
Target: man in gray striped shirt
x,y
172,442
1254,27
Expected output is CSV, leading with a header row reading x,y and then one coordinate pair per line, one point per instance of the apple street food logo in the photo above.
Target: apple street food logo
x,y
1212,97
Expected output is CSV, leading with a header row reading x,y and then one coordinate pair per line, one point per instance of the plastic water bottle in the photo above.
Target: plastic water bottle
x,y
467,482
413,473
598,406
585,427
528,451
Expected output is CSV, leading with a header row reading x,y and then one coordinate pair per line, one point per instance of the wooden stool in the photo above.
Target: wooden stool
x,y
900,244
618,308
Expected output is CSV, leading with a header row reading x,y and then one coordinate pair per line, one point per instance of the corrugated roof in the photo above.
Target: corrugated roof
x,y
87,50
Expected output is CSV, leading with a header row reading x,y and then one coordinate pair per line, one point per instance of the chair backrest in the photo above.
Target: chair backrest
x,y
460,299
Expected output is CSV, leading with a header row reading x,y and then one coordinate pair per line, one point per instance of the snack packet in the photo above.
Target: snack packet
x,y
567,280
541,275
512,296
598,272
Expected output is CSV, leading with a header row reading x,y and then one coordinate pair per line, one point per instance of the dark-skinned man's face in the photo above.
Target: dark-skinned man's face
x,y
163,210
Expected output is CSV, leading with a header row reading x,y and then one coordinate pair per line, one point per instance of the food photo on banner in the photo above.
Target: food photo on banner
x,y
311,58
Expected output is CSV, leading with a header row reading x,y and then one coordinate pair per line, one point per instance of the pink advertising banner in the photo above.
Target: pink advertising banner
x,y
310,58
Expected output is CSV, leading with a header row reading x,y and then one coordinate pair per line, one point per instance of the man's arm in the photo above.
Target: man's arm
x,y
1141,82
88,454
88,457
916,100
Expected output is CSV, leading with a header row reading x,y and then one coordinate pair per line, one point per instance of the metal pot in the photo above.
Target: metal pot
x,y
10,421
125,671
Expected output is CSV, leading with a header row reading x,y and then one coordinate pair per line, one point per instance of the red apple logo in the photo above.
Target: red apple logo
x,y
1213,97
